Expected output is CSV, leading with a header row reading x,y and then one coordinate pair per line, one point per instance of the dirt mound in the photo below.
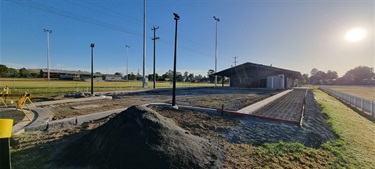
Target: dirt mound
x,y
139,138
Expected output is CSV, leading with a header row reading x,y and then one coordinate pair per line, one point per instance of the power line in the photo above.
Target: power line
x,y
75,16
96,22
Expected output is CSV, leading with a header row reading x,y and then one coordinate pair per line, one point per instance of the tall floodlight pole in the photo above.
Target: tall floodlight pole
x,y
92,68
154,39
217,20
48,71
144,85
127,61
176,17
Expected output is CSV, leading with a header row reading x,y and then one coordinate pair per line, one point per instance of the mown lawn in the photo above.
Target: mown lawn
x,y
39,87
366,92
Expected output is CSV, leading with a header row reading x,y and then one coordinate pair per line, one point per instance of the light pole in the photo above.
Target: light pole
x,y
92,68
176,17
154,39
48,71
127,61
144,85
217,20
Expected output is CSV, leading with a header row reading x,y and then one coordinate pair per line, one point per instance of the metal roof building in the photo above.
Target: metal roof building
x,y
254,75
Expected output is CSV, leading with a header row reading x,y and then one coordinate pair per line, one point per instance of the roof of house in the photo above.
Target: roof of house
x,y
248,65
79,72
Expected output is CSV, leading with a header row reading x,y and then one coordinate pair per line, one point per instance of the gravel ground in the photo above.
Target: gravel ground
x,y
313,133
288,107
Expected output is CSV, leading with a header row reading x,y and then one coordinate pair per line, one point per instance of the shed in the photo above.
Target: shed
x,y
254,75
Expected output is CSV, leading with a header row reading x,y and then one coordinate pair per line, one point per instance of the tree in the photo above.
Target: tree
x,y
132,76
3,70
24,72
358,75
14,72
118,74
313,71
331,74
186,74
211,77
151,77
306,79
191,77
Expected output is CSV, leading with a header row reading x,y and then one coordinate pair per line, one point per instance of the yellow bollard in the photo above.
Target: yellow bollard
x,y
6,126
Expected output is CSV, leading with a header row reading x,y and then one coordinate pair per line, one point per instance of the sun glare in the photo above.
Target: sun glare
x,y
355,35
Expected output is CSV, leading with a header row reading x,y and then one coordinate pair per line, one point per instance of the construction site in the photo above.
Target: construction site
x,y
124,129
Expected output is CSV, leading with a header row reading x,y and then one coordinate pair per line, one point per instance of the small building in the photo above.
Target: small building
x,y
254,75
112,77
70,75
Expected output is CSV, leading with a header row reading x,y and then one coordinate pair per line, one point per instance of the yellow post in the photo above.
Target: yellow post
x,y
6,126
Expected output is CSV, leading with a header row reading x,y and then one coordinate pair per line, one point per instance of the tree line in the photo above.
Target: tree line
x,y
361,75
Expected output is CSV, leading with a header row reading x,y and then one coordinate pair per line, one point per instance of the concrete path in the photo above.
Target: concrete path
x,y
41,116
252,108
46,103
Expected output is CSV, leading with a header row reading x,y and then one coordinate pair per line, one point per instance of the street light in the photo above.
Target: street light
x,y
176,17
217,20
127,61
92,68
48,72
144,82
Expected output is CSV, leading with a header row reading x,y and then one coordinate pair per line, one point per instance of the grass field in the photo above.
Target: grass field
x,y
366,92
42,88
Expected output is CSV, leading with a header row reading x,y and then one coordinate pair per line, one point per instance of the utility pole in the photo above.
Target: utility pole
x,y
92,67
48,71
176,18
144,84
154,39
217,20
235,60
127,62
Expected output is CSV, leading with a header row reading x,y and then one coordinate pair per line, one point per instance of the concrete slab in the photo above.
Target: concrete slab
x,y
46,103
85,107
72,121
250,109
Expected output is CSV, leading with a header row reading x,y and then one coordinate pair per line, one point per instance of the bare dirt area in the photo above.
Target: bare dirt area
x,y
232,99
236,137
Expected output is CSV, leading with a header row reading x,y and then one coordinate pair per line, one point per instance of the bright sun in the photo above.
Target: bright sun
x,y
355,35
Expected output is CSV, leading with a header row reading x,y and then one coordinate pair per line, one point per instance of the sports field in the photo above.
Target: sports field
x,y
366,92
39,87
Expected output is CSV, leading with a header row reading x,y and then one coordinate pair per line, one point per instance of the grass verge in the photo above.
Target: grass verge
x,y
355,147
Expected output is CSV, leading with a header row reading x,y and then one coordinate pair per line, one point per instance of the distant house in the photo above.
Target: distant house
x,y
111,77
254,75
70,75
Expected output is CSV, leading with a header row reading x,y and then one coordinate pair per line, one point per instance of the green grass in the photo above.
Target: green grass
x,y
42,88
366,92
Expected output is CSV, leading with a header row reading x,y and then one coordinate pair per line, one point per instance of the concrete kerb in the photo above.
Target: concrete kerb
x,y
41,116
73,121
256,106
206,110
46,103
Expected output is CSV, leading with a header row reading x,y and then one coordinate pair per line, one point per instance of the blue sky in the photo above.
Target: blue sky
x,y
297,35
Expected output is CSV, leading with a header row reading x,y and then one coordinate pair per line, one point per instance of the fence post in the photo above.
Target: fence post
x,y
362,104
372,108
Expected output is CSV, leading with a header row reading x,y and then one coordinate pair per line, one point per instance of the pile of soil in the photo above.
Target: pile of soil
x,y
139,138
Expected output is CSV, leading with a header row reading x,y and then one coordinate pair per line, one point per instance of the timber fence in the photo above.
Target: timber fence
x,y
367,106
